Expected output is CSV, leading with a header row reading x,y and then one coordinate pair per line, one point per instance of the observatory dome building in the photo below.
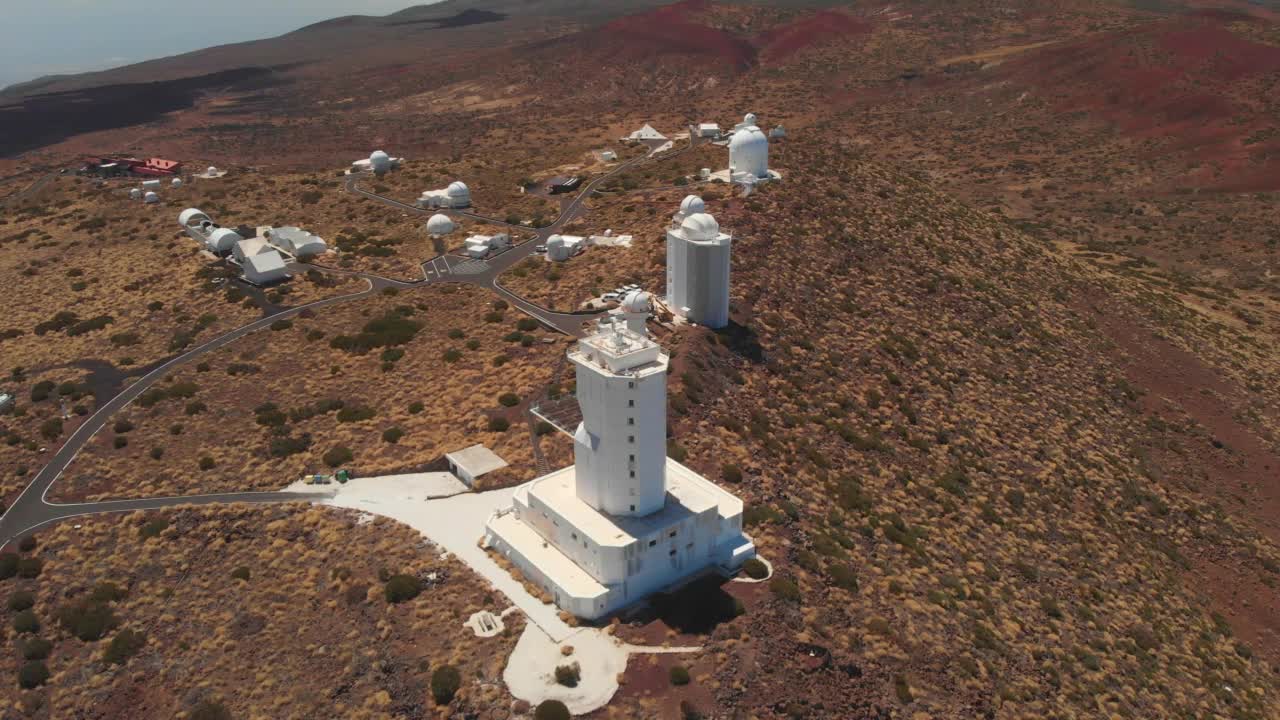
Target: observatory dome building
x,y
624,520
457,195
380,162
440,224
698,270
222,241
749,154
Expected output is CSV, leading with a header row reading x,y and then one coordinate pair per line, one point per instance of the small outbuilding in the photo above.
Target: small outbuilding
x,y
469,464
645,133
245,249
265,268
478,246
708,130
151,198
135,194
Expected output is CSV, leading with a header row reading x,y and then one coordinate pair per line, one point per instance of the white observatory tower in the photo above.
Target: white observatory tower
x,y
698,268
620,448
749,154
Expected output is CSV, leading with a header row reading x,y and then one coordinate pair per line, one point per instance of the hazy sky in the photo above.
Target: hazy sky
x,y
46,37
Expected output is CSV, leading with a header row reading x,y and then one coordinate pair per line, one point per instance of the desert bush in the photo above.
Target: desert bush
x,y
36,649
8,565
27,543
153,528
241,573
207,463
526,324
551,710
209,710
122,426
509,399
401,588
498,424
340,455
123,646
281,324
731,473
87,620
785,589
569,675
26,622
51,429
119,442
30,568
679,675
445,681
755,569
844,576
355,413
416,407
21,600
452,356
32,674
392,435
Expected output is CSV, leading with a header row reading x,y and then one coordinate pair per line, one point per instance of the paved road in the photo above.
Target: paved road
x,y
32,510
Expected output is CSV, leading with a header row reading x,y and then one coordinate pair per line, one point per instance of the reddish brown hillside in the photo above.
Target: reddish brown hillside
x,y
1193,82
670,30
817,29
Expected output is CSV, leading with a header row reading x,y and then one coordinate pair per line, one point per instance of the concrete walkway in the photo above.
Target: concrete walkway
x,y
457,525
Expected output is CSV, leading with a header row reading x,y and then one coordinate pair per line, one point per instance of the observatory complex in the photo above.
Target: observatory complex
x,y
457,195
379,162
698,266
624,520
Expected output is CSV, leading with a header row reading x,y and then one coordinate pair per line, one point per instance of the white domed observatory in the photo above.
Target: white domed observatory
x,y
624,520
698,270
749,154
380,162
459,194
440,224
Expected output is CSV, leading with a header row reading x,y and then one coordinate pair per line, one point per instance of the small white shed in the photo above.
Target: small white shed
x,y
471,463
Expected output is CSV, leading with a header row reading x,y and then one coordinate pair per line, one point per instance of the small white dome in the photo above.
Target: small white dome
x,y
186,217
555,241
749,119
151,198
692,204
440,224
637,301
700,226
458,188
135,194
380,161
211,171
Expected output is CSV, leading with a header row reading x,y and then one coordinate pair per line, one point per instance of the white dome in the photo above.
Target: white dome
x,y
177,182
380,161
151,198
186,217
223,239
555,241
458,189
211,171
692,204
749,152
135,194
637,301
700,226
749,119
440,224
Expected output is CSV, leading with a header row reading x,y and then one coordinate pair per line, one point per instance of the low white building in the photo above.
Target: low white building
x,y
264,268
457,195
623,521
150,184
645,133
242,250
379,162
296,241
778,132
608,155
471,463
708,130
563,247
478,246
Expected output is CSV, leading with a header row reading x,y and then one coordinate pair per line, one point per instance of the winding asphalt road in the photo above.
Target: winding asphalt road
x,y
32,510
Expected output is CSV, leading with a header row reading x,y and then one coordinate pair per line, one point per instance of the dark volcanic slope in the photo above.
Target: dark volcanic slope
x,y
47,118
